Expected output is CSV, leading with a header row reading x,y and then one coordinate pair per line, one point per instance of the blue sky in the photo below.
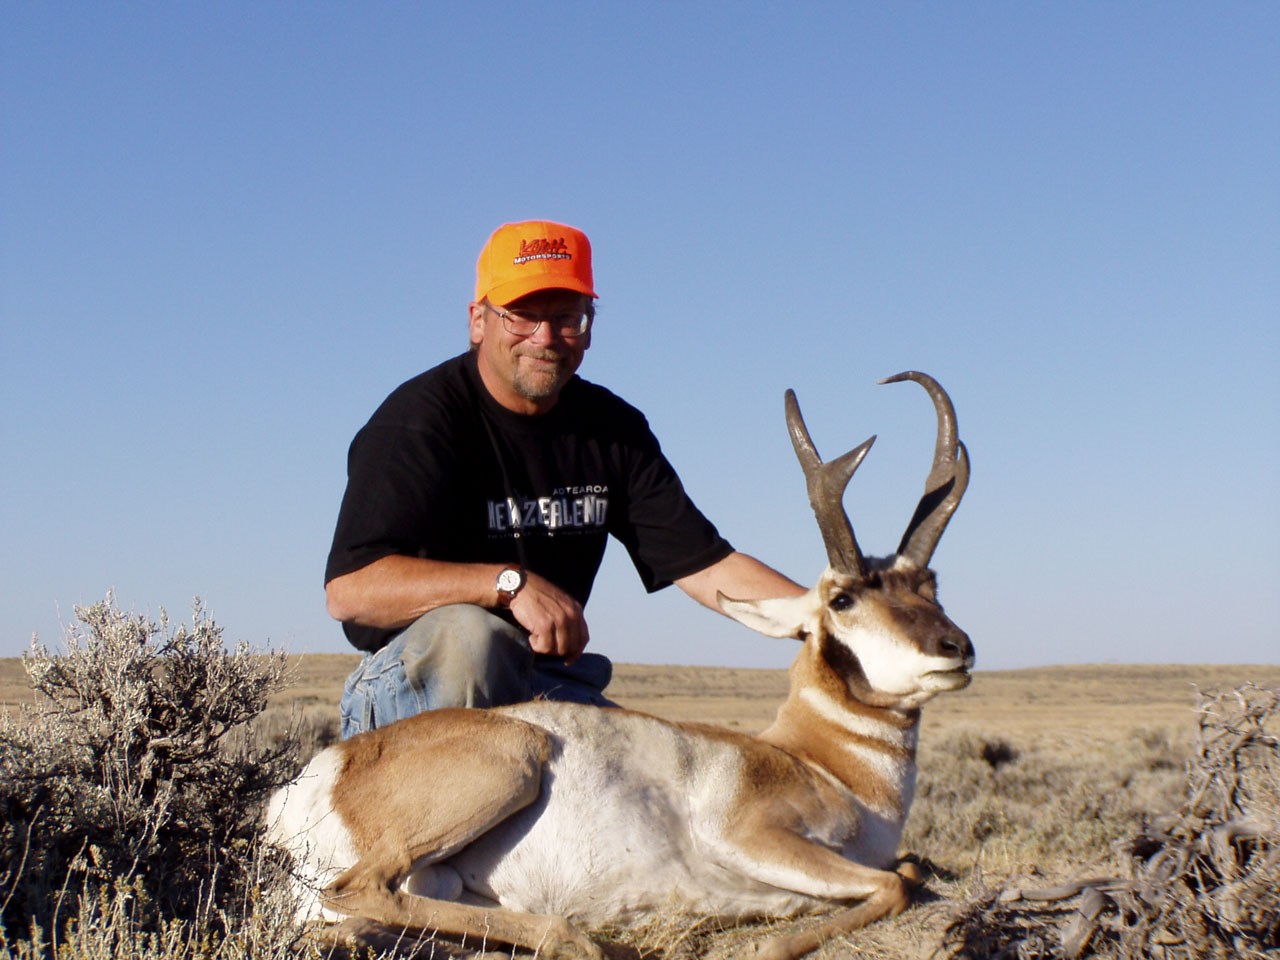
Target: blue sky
x,y
228,230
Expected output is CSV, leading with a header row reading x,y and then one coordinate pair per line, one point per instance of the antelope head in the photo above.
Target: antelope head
x,y
876,622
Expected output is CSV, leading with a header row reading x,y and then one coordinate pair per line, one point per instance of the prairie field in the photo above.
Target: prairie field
x,y
1028,778
1069,706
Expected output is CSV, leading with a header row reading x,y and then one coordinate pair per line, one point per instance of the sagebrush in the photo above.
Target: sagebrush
x,y
136,777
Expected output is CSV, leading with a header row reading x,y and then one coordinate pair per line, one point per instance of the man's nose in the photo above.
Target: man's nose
x,y
545,334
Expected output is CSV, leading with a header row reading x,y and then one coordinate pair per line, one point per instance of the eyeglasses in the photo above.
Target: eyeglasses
x,y
569,324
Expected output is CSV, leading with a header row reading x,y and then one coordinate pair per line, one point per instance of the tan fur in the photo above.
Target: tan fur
x,y
387,771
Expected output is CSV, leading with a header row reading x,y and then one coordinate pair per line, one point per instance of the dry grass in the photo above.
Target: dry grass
x,y
1200,881
1036,774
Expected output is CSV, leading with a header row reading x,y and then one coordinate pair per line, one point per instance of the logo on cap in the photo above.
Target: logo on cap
x,y
542,250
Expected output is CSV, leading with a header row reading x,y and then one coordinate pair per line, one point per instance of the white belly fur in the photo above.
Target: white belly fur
x,y
624,841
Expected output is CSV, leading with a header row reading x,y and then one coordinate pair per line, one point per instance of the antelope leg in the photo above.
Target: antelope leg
x,y
882,904
552,937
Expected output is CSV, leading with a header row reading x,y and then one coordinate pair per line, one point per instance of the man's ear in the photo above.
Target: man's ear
x,y
475,322
780,617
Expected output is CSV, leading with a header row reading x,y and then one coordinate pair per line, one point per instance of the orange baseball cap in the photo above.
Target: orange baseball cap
x,y
522,258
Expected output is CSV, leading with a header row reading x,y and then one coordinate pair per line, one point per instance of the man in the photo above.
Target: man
x,y
480,497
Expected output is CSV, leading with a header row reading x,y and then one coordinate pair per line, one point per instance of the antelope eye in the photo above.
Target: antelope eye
x,y
841,601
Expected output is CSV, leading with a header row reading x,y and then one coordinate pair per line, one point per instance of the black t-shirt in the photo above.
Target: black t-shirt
x,y
442,470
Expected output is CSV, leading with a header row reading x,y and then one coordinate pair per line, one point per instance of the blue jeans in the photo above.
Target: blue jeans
x,y
462,656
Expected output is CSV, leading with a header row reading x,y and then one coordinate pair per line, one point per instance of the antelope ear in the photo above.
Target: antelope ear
x,y
780,617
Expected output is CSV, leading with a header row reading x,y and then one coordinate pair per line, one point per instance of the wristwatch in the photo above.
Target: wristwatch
x,y
509,583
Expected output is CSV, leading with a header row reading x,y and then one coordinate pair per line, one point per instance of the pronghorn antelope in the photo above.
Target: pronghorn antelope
x,y
517,824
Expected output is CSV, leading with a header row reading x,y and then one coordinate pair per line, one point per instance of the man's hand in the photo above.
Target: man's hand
x,y
394,591
552,617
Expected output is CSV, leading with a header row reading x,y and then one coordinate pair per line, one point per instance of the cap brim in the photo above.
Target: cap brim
x,y
512,290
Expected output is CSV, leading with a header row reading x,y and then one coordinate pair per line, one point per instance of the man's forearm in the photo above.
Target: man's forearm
x,y
396,590
740,577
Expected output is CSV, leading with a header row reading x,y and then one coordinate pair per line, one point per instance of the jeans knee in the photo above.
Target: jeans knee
x,y
465,656
460,636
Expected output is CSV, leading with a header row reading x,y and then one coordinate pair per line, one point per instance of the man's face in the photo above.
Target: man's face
x,y
526,373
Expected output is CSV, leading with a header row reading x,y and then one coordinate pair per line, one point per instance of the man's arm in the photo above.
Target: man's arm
x,y
394,591
741,577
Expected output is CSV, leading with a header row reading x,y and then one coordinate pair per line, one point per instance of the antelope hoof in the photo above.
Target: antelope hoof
x,y
910,873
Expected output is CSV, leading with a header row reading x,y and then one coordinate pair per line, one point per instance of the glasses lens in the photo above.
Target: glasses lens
x,y
572,325
564,324
518,325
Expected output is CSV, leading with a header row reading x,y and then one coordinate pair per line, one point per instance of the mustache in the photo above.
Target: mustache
x,y
547,353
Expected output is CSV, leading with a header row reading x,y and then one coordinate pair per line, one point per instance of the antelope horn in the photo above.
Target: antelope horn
x,y
947,478
826,483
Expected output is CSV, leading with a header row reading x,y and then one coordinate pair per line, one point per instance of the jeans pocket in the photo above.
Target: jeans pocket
x,y
356,706
379,693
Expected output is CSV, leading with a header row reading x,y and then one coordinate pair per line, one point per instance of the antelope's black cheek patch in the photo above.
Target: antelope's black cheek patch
x,y
839,657
844,663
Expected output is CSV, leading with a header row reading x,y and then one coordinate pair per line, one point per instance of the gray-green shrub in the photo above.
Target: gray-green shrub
x,y
136,765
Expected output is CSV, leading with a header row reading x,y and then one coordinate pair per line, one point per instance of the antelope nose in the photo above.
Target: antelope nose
x,y
956,644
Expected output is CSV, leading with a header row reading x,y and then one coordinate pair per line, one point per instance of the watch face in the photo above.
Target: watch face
x,y
510,580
